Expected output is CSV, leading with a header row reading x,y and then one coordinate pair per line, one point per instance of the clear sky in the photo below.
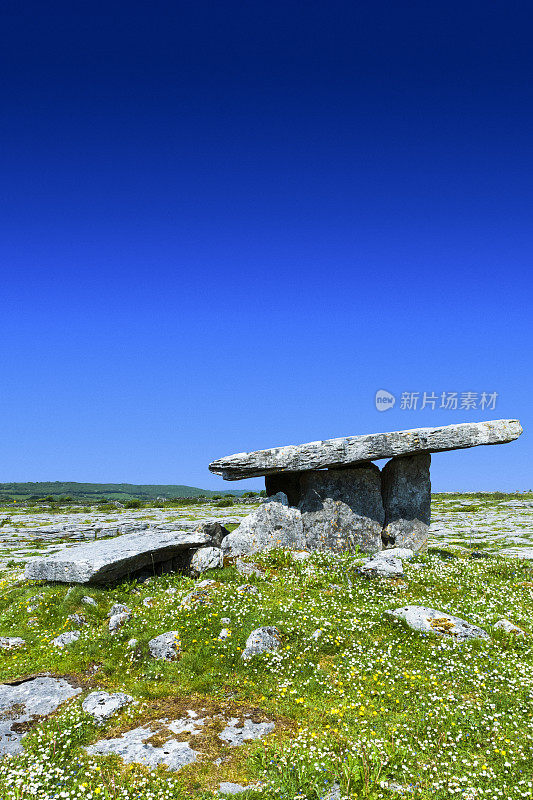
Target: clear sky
x,y
225,225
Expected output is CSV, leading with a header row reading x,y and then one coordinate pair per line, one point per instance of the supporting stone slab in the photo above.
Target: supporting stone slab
x,y
342,510
406,492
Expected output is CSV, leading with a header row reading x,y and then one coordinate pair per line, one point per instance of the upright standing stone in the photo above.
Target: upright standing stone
x,y
406,491
342,509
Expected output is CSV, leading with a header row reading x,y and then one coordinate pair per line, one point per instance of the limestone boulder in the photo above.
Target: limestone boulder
x,y
271,525
430,620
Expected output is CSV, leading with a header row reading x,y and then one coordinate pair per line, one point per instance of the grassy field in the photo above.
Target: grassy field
x,y
357,698
94,492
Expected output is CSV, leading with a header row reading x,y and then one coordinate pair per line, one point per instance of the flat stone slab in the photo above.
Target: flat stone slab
x,y
134,748
430,620
28,701
107,560
369,447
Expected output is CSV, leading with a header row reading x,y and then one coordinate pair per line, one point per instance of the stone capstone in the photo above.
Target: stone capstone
x,y
111,559
25,702
429,620
352,450
406,492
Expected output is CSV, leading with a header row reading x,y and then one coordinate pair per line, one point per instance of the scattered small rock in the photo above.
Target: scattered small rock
x,y
66,638
166,646
262,640
11,642
236,733
102,705
508,627
227,787
224,634
380,566
247,588
77,619
89,601
119,608
117,621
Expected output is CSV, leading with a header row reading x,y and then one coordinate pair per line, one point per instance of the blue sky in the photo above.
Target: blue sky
x,y
226,225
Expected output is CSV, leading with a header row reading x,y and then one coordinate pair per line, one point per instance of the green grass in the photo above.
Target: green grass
x,y
368,703
92,492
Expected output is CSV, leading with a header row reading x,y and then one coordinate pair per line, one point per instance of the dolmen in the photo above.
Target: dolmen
x,y
329,495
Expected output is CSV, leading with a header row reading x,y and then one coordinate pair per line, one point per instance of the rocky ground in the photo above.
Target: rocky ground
x,y
283,675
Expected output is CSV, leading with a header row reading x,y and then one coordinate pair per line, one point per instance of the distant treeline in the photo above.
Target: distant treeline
x,y
69,491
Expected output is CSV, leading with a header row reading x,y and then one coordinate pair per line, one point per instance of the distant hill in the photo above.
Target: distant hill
x,y
108,491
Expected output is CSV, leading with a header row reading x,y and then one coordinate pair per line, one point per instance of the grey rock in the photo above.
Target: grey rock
x,y
225,621
198,596
247,588
102,705
271,525
166,646
133,748
118,608
89,601
406,490
508,627
405,553
224,634
429,620
117,621
300,555
261,640
107,560
357,449
132,643
226,787
11,642
26,701
277,497
64,639
77,619
248,569
214,530
341,510
205,558
236,734
378,567
334,793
